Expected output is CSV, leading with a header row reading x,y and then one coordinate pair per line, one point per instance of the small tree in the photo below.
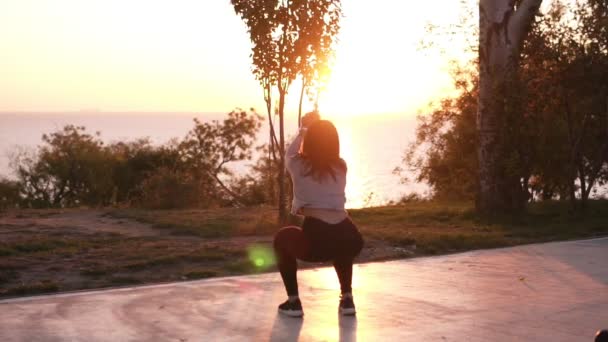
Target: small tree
x,y
318,25
9,194
572,95
290,38
71,168
208,147
137,160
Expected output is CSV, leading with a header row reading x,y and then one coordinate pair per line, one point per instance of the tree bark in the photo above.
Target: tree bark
x,y
573,192
300,103
502,29
281,176
273,135
583,179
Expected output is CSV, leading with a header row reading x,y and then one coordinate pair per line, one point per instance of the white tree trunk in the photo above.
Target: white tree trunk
x,y
502,29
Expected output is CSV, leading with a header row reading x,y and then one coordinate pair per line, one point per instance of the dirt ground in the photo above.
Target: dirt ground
x,y
49,250
61,250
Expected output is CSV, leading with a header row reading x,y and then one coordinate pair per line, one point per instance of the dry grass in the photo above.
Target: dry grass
x,y
206,223
38,255
438,228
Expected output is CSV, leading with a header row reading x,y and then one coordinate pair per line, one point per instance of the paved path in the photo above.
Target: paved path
x,y
546,292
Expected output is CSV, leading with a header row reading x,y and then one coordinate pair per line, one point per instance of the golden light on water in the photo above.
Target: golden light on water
x,y
355,191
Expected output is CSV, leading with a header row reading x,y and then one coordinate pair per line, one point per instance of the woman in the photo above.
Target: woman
x,y
327,234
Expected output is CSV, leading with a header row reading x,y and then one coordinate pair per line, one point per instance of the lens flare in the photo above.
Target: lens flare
x,y
262,257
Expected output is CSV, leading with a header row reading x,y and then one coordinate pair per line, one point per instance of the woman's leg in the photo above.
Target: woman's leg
x,y
344,269
351,243
290,244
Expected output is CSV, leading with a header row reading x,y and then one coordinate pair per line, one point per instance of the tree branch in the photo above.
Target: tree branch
x,y
520,22
268,99
234,196
304,84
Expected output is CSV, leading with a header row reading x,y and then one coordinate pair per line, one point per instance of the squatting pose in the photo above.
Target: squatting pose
x,y
327,234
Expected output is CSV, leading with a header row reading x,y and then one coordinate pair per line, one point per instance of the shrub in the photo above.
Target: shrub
x,y
9,194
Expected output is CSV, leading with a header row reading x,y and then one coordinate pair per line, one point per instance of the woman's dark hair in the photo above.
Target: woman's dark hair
x,y
321,150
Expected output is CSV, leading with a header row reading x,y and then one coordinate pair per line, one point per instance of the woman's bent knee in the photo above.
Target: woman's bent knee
x,y
291,241
286,236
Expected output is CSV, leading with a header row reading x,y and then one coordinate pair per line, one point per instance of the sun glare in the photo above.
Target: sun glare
x,y
194,56
355,192
376,85
379,68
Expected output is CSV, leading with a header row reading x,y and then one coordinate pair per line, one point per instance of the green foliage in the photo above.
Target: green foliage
x,y
9,194
72,168
192,172
444,152
291,39
259,186
136,163
208,147
555,144
566,67
75,168
169,189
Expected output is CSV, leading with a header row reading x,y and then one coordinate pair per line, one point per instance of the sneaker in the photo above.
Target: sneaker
x,y
293,309
347,306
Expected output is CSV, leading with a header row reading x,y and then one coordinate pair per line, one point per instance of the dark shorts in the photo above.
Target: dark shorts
x,y
331,241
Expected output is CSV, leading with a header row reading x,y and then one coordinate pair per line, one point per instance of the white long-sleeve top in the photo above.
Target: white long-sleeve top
x,y
308,192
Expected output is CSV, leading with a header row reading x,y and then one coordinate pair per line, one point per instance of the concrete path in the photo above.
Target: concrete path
x,y
547,292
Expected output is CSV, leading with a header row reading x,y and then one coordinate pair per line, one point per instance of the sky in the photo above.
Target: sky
x,y
193,56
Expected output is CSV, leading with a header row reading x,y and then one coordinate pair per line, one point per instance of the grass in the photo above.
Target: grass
x,y
196,244
38,244
200,274
40,287
207,223
437,228
7,275
124,280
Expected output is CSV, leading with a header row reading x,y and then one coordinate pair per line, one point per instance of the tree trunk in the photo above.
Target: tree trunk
x,y
583,180
573,192
281,176
502,29
273,143
596,167
300,104
270,167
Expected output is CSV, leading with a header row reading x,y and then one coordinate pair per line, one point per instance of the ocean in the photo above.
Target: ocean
x,y
372,146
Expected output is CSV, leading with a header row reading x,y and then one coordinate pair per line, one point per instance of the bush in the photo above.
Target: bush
x,y
134,162
169,189
9,194
71,168
74,168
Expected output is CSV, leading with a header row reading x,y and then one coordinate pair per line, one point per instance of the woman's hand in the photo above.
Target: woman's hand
x,y
310,118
